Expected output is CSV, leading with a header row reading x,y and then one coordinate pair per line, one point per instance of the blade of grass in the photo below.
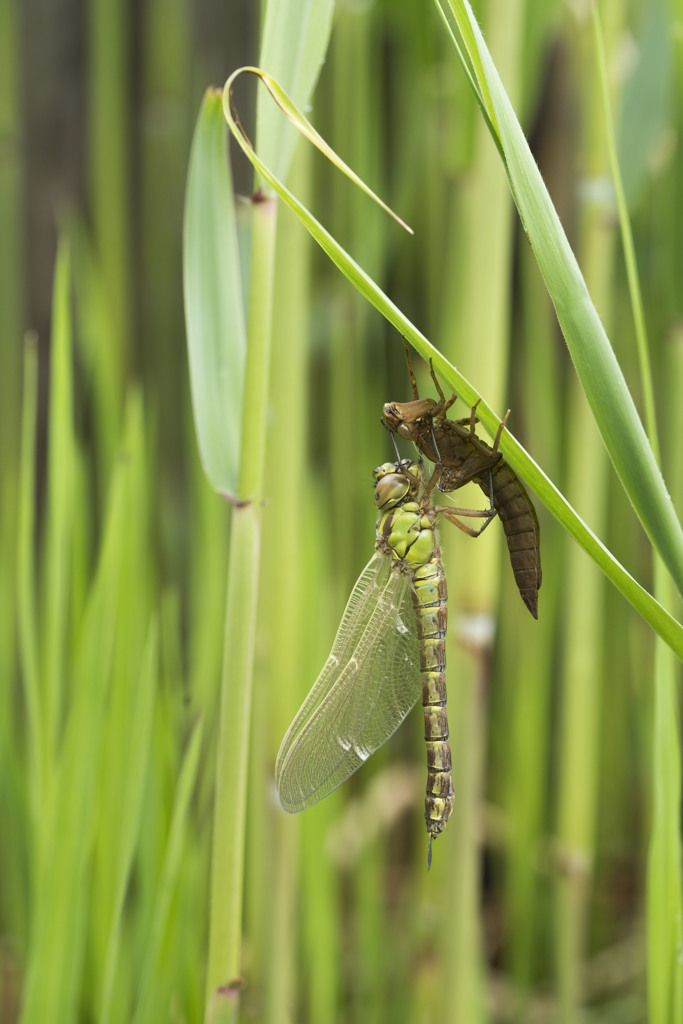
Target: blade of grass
x,y
153,1001
214,317
476,324
236,687
27,611
59,908
109,153
664,923
304,126
476,320
664,882
133,758
98,349
627,242
271,917
59,505
295,38
12,205
660,620
463,932
592,354
584,655
664,885
525,672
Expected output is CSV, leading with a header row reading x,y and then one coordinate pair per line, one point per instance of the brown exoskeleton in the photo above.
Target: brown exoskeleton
x,y
460,457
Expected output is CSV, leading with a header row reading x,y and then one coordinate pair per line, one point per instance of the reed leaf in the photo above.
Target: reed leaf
x,y
596,365
660,620
295,38
153,1002
61,468
54,971
664,889
214,313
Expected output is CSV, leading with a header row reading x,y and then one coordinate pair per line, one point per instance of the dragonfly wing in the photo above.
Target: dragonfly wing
x,y
366,688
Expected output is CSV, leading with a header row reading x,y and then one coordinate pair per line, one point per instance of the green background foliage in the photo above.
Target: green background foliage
x,y
156,640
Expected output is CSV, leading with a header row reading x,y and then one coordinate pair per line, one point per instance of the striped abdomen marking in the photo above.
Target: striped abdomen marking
x,y
429,601
409,534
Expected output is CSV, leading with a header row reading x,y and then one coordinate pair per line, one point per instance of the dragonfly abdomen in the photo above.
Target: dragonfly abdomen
x,y
521,530
430,603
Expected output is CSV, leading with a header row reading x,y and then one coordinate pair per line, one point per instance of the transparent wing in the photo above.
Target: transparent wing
x,y
367,686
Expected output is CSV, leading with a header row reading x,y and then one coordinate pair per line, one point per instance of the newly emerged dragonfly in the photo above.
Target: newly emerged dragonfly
x,y
460,456
389,648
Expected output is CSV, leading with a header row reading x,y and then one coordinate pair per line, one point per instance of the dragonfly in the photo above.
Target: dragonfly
x,y
460,456
389,650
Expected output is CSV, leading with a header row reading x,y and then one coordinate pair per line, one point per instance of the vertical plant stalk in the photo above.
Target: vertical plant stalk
x,y
475,327
464,941
12,262
594,359
109,75
664,925
583,658
227,870
26,585
271,912
60,508
664,882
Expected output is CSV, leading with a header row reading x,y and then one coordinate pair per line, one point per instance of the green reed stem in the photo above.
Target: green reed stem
x,y
664,887
665,924
108,91
26,583
227,872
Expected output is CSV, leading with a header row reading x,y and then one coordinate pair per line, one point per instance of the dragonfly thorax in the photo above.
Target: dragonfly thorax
x,y
408,534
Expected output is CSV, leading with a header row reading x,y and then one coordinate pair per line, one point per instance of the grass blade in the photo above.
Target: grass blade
x,y
153,1004
665,928
133,761
593,356
26,586
295,38
214,314
59,907
660,620
61,467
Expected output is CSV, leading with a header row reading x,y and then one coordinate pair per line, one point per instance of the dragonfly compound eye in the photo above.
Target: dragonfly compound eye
x,y
391,490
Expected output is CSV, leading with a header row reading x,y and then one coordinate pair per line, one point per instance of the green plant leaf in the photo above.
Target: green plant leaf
x,y
596,365
667,627
214,314
295,38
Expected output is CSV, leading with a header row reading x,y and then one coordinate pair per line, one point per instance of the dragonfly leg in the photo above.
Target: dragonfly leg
x,y
500,431
395,443
453,516
443,404
413,381
492,507
431,483
473,418
436,447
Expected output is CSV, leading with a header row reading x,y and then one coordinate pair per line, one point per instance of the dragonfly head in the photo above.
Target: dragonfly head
x,y
396,482
404,417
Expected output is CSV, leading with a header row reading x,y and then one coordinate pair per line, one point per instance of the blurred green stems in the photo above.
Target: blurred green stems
x,y
227,871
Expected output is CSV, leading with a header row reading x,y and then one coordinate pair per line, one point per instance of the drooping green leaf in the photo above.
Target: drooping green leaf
x,y
293,47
